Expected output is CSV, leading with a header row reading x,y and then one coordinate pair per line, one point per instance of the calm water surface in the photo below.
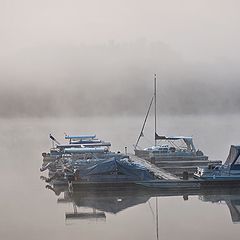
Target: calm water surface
x,y
31,211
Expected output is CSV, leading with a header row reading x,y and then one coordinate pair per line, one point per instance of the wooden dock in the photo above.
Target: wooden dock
x,y
161,173
176,167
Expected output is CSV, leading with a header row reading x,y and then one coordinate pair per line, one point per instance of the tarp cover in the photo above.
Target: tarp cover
x,y
233,156
120,166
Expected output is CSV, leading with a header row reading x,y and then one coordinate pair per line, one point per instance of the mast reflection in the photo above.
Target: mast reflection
x,y
98,202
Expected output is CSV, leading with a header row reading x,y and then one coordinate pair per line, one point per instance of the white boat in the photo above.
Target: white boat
x,y
81,152
174,148
84,165
79,147
229,171
175,153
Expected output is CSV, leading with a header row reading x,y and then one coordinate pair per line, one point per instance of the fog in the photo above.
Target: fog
x,y
84,58
76,66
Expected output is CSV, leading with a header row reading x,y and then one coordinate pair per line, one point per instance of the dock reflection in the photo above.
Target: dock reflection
x,y
100,201
95,203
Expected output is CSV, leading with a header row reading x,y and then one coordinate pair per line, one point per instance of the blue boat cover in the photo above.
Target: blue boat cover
x,y
120,167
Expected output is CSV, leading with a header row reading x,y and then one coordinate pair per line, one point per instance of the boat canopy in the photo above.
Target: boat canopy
x,y
71,145
85,150
80,137
83,141
233,156
188,140
157,137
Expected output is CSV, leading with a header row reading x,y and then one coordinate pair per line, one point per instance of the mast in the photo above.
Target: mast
x,y
154,99
145,120
155,109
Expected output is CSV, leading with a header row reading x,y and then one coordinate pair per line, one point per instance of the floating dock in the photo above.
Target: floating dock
x,y
161,173
166,181
178,167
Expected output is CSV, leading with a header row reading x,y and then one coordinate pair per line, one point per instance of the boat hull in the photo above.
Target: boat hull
x,y
154,185
194,184
150,156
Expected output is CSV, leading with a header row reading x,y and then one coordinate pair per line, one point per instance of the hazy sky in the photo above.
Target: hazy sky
x,y
60,52
204,30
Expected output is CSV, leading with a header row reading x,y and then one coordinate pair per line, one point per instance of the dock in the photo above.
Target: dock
x,y
177,167
160,173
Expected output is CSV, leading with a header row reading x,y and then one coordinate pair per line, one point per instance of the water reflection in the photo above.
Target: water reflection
x,y
106,201
231,198
30,209
95,203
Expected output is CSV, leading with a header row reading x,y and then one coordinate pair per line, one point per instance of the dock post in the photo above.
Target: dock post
x,y
185,175
70,186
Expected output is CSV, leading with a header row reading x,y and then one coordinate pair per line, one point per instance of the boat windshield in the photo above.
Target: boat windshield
x,y
172,146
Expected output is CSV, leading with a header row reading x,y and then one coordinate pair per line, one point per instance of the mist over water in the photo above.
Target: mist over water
x,y
85,67
80,58
113,79
34,211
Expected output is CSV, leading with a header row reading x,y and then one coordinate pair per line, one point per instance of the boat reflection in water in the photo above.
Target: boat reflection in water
x,y
98,202
231,199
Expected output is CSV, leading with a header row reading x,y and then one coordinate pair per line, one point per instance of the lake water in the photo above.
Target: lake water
x,y
30,211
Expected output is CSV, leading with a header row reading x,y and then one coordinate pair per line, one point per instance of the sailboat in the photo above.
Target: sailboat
x,y
173,153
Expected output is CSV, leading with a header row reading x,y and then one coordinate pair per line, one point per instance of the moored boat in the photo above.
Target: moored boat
x,y
229,171
94,165
175,154
78,147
